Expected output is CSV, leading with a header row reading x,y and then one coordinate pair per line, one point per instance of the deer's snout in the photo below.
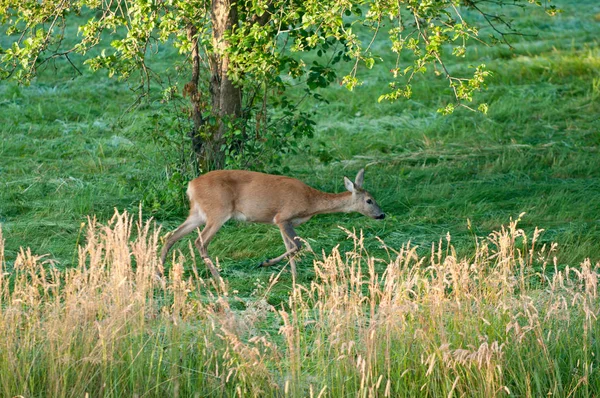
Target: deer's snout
x,y
380,217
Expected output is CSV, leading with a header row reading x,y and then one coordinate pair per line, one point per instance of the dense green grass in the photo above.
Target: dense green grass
x,y
473,323
69,149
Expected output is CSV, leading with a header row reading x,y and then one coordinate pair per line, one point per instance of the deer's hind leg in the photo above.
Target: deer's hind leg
x,y
194,220
212,227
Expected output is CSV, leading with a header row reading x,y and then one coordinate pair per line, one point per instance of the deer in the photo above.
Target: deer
x,y
221,195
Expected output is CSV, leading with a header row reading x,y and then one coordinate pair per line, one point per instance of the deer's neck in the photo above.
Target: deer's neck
x,y
324,202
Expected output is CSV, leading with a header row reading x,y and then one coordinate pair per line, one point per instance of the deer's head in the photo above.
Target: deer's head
x,y
362,201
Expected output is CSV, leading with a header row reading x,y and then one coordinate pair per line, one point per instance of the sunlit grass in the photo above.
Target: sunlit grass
x,y
503,320
68,149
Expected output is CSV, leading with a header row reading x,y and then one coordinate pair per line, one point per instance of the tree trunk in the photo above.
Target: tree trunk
x,y
226,99
191,90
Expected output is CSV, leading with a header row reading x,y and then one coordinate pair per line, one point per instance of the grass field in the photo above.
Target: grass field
x,y
68,150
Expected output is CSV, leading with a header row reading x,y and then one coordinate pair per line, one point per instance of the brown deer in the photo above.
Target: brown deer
x,y
219,196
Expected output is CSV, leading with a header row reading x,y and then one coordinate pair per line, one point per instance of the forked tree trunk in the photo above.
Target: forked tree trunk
x,y
226,99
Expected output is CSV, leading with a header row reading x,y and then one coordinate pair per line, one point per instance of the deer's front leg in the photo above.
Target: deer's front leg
x,y
292,244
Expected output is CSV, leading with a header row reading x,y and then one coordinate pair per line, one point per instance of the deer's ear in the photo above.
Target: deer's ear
x,y
360,178
349,184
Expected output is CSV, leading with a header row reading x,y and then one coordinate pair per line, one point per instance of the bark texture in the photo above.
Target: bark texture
x,y
191,90
225,98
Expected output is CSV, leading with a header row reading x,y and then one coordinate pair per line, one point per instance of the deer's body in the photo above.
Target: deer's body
x,y
225,192
219,196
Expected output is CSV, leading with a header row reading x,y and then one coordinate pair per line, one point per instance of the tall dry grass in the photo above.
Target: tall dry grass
x,y
507,320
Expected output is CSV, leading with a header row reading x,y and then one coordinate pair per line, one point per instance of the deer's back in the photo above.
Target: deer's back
x,y
250,196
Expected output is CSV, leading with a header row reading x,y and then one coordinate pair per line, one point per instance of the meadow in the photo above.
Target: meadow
x,y
448,295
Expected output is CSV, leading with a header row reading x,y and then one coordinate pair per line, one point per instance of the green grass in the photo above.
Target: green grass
x,y
68,150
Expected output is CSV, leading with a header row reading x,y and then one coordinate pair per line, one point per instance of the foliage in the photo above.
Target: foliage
x,y
261,51
259,45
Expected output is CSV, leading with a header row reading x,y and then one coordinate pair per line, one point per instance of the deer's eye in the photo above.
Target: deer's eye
x,y
369,201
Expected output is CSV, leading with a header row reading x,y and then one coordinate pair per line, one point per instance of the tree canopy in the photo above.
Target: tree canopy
x,y
241,56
